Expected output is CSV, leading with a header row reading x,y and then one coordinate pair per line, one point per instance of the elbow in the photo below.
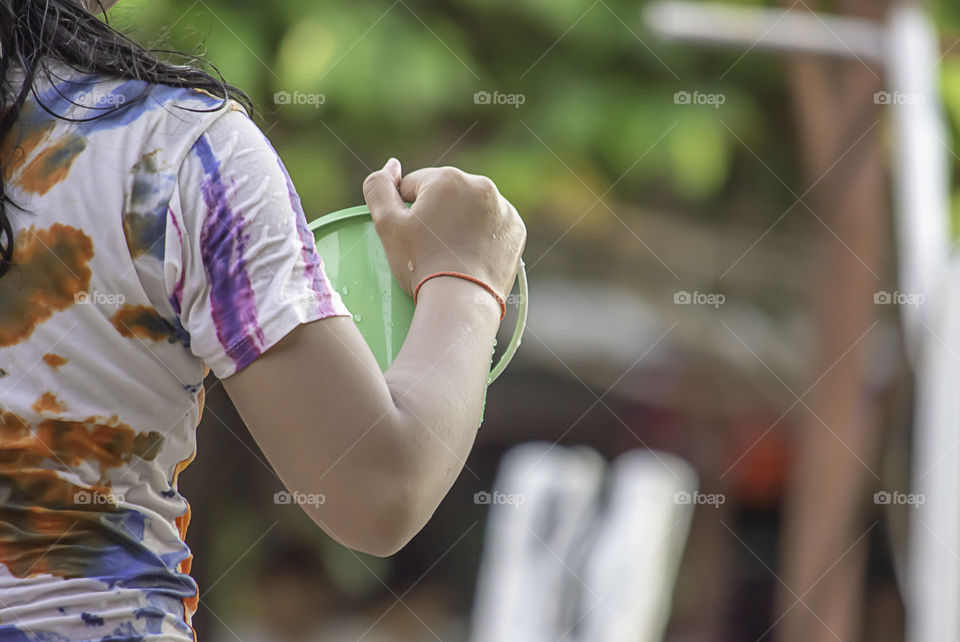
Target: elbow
x,y
385,503
381,532
393,517
386,546
383,492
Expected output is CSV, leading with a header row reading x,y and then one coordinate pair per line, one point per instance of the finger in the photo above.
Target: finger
x,y
380,191
415,182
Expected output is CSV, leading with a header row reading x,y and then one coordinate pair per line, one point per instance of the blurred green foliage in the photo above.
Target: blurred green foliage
x,y
399,77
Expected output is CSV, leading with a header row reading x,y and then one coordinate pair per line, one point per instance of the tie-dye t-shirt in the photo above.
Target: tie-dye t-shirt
x,y
152,241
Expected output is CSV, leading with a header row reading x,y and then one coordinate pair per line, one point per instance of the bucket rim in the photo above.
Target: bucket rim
x,y
341,215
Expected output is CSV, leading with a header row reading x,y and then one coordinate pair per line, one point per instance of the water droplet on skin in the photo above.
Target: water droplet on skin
x,y
410,265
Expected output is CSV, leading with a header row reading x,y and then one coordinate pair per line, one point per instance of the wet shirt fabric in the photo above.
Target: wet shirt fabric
x,y
156,235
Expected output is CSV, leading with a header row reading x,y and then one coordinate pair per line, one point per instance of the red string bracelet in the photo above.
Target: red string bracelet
x,y
467,277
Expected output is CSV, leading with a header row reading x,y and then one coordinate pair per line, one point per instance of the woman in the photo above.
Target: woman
x,y
149,232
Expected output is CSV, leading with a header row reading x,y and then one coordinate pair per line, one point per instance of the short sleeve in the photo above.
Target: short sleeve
x,y
241,269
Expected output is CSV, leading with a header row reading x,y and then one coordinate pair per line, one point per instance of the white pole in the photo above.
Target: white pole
x,y
932,328
757,27
921,163
932,587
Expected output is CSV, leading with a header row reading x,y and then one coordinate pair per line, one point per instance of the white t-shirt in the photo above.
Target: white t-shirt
x,y
151,241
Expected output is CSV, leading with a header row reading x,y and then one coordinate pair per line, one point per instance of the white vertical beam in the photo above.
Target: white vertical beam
x,y
932,587
921,163
922,210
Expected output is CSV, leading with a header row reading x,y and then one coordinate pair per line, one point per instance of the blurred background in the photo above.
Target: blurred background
x,y
709,229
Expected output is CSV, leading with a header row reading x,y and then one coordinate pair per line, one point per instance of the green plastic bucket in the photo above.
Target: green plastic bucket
x,y
356,264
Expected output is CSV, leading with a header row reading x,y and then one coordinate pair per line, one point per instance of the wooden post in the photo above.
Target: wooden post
x,y
824,541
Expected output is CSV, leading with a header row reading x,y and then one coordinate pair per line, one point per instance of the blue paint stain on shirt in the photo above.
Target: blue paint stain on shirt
x,y
126,522
145,218
172,560
127,563
141,568
123,105
10,633
123,633
91,620
153,616
173,606
193,388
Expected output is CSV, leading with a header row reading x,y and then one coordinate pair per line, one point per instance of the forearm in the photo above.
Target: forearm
x,y
438,381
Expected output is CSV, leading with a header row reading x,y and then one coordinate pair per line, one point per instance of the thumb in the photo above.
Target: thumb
x,y
381,190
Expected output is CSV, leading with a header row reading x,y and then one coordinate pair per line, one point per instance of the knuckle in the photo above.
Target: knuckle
x,y
450,181
485,192
487,187
370,181
449,174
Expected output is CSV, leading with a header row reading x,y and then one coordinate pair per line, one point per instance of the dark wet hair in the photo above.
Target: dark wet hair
x,y
37,33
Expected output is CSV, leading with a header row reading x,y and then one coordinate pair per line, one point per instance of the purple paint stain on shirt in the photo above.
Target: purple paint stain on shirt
x,y
314,270
176,299
222,246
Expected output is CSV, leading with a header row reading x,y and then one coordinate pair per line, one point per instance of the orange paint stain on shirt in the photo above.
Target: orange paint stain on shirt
x,y
143,322
144,227
48,524
183,521
22,140
55,361
42,526
47,491
107,442
48,402
34,160
201,402
190,604
50,268
51,165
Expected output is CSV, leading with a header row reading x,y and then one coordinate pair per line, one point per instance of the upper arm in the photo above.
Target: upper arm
x,y
322,413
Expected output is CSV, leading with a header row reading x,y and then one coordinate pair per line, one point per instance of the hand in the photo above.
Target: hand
x,y
457,222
